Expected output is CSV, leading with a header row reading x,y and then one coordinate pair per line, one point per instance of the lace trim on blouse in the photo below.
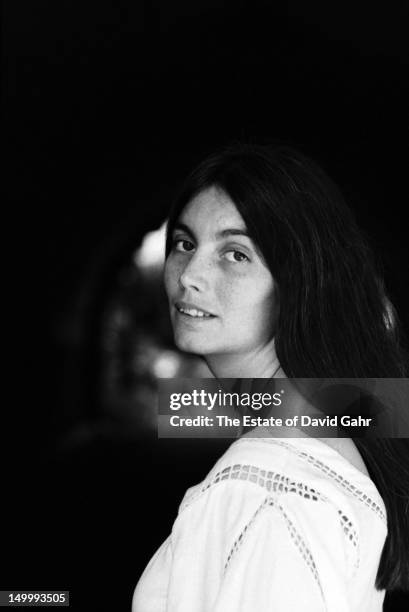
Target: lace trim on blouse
x,y
296,537
279,484
316,463
272,481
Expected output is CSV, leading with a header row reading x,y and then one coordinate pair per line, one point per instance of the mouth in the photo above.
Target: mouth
x,y
192,311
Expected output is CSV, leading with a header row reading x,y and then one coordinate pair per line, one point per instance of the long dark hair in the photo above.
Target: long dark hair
x,y
335,319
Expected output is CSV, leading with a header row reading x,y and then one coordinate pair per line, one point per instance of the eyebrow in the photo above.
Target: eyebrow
x,y
222,234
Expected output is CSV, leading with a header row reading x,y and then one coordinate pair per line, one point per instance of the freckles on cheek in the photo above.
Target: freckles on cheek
x,y
233,297
226,290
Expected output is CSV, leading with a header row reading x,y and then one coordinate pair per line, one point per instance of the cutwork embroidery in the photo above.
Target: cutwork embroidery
x,y
329,472
296,537
348,529
274,482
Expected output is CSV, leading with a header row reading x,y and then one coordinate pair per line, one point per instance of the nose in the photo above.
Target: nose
x,y
195,274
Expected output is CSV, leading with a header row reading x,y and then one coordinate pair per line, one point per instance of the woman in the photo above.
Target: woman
x,y
268,276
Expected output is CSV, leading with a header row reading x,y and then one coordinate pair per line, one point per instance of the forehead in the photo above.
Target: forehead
x,y
213,211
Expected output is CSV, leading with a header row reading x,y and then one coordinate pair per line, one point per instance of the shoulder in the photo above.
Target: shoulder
x,y
347,448
241,468
291,507
305,468
304,481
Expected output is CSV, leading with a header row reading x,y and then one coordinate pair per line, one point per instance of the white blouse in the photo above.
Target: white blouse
x,y
277,525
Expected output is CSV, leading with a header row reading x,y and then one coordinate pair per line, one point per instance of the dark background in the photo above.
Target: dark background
x,y
107,105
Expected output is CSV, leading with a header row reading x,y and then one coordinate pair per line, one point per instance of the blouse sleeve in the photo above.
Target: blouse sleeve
x,y
289,554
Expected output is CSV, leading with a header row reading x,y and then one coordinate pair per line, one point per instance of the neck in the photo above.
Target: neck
x,y
259,363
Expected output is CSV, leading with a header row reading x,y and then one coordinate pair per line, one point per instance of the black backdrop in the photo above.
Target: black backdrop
x,y
107,105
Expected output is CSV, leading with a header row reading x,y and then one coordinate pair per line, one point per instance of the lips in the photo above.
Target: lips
x,y
193,310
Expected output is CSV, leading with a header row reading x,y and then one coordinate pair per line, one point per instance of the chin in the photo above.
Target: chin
x,y
190,346
193,345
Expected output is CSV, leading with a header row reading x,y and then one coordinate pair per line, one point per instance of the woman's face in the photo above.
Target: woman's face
x,y
221,294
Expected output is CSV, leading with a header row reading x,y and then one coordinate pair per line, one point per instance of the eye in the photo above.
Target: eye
x,y
183,245
235,256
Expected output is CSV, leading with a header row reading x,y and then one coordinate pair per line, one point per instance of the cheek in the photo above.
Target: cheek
x,y
228,293
248,301
171,275
268,296
268,310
